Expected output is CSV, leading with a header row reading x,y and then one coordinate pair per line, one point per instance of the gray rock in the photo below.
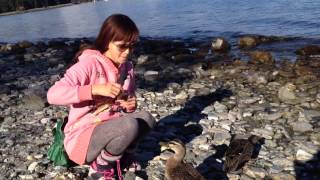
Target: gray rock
x,y
302,155
151,75
220,45
261,57
282,176
247,42
255,172
301,126
318,98
287,94
282,162
220,107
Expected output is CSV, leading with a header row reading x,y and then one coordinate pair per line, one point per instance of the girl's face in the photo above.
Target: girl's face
x,y
118,51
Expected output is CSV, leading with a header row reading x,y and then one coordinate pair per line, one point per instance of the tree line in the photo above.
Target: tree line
x,y
21,5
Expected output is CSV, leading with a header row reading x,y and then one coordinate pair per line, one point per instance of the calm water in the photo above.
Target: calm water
x,y
171,18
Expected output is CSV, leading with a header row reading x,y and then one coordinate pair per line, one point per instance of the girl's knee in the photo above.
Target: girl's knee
x,y
130,126
148,118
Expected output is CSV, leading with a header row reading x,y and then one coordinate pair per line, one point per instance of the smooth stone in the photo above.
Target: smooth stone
x,y
308,147
268,134
142,59
287,94
245,177
246,114
205,147
302,155
32,166
221,138
270,143
311,114
207,110
232,116
301,126
250,100
212,116
196,86
220,107
255,172
151,75
233,176
275,169
26,177
30,158
273,116
282,162
315,138
282,176
181,97
44,120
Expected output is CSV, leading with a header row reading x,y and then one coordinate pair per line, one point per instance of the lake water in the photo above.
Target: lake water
x,y
198,19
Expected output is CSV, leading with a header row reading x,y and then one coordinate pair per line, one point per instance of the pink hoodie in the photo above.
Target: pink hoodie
x,y
74,90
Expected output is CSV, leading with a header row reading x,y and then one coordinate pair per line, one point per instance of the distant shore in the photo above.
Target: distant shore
x,y
35,9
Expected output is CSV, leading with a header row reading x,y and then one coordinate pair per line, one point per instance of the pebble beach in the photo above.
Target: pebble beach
x,y
199,93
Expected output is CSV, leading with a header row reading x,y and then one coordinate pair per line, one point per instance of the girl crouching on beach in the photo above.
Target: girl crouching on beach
x,y
103,128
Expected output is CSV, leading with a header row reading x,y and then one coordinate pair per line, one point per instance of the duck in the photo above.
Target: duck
x,y
240,151
176,168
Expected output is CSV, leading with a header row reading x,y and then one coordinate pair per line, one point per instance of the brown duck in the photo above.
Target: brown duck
x,y
176,168
240,151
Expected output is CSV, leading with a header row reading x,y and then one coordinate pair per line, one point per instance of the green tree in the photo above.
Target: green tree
x,y
4,6
35,3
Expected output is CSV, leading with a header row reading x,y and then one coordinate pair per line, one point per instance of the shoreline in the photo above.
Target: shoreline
x,y
281,47
35,9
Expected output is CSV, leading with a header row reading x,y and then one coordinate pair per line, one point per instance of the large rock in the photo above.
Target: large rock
x,y
282,176
261,57
301,127
35,98
25,44
303,70
220,45
12,48
287,94
151,75
248,42
180,58
308,50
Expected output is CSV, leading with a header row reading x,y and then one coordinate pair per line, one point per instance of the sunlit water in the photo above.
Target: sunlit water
x,y
197,19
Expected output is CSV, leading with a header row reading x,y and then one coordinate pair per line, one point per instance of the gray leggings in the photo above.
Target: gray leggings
x,y
116,135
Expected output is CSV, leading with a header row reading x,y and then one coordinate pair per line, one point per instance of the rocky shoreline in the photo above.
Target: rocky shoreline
x,y
198,93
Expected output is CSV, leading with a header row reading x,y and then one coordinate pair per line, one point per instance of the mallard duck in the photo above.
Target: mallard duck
x,y
176,168
240,151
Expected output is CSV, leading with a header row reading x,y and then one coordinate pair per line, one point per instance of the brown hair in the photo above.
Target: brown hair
x,y
117,27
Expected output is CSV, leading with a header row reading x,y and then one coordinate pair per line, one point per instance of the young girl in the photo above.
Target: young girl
x,y
99,88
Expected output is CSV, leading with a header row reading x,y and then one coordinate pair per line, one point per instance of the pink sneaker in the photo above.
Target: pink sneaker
x,y
130,163
104,172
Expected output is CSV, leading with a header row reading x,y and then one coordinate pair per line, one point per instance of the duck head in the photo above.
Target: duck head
x,y
177,146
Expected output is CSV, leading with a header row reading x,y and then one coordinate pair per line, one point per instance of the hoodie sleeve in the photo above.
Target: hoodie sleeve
x,y
74,87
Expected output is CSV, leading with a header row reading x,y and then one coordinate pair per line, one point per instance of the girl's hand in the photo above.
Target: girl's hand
x,y
102,101
110,89
130,105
